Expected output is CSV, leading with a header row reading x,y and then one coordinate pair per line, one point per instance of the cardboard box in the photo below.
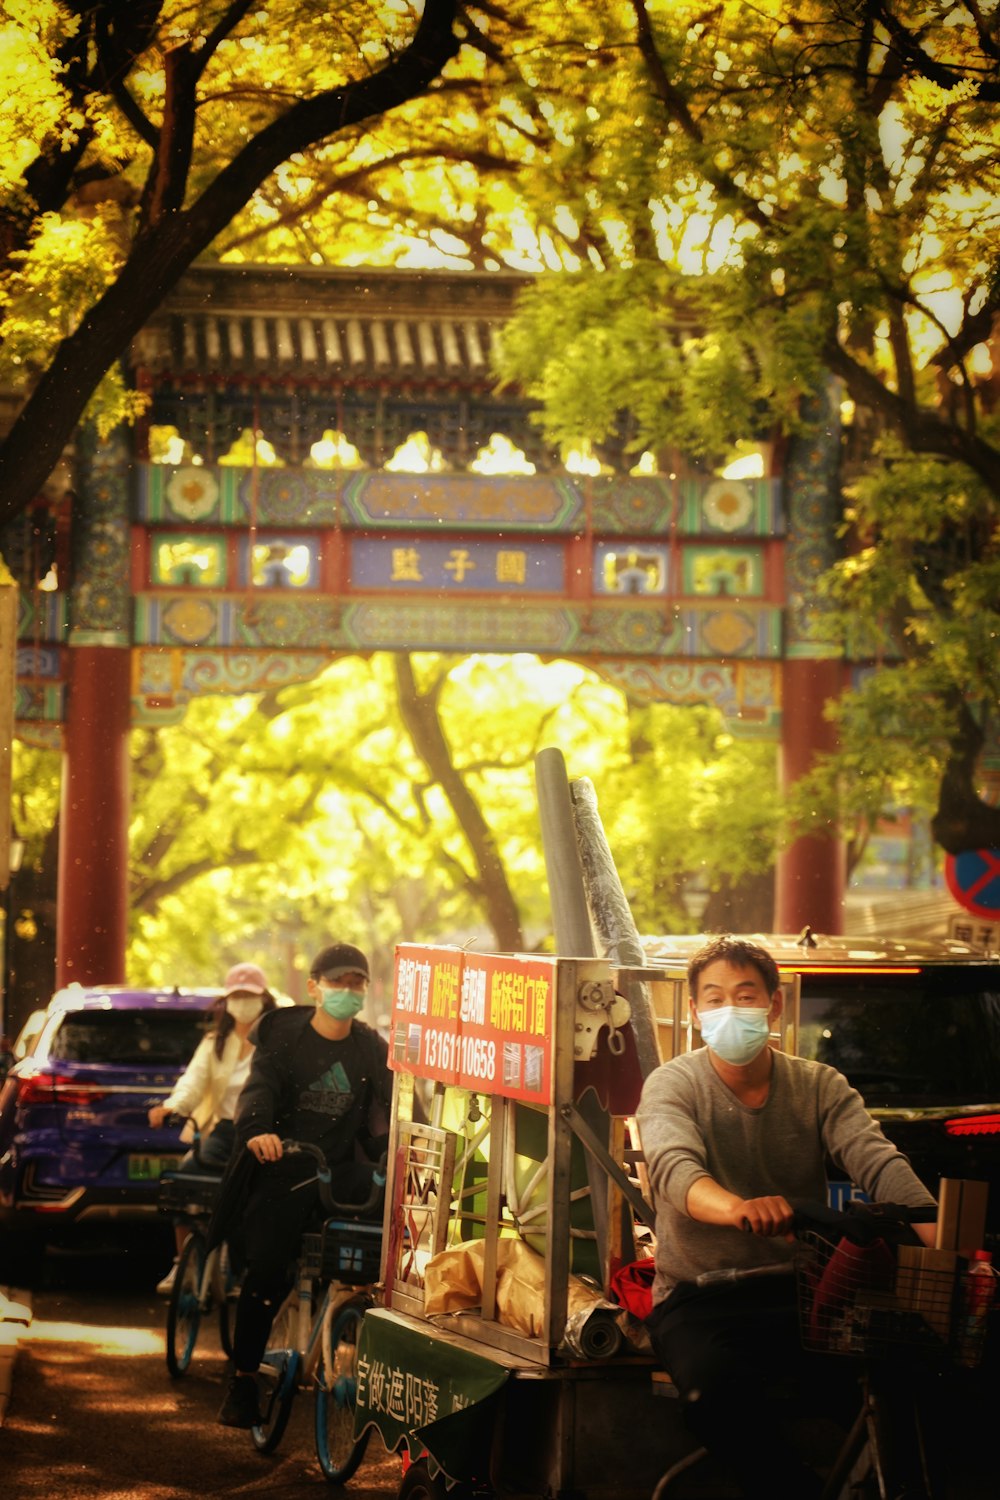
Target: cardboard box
x,y
925,1283
961,1221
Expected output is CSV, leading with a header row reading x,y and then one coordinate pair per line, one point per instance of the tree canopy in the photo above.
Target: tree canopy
x,y
134,134
773,196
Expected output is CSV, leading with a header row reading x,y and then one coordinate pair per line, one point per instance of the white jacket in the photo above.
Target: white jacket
x,y
200,1088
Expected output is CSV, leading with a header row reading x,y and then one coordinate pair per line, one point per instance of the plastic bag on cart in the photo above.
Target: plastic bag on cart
x,y
453,1281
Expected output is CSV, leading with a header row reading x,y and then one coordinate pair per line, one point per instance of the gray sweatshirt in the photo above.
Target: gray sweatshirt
x,y
691,1125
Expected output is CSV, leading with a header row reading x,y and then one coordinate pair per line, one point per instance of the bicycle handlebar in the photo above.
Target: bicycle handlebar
x,y
864,1222
861,1222
324,1177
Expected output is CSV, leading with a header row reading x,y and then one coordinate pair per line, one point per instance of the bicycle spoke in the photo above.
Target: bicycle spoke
x,y
336,1397
278,1379
184,1309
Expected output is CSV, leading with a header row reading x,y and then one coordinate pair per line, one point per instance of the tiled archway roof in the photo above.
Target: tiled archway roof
x,y
392,327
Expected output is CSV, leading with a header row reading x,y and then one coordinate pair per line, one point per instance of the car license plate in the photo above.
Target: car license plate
x,y
149,1168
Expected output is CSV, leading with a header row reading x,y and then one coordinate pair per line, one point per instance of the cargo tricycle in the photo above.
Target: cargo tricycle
x,y
498,1361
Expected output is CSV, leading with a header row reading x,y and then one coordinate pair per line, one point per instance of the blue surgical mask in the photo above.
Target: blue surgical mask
x,y
736,1032
340,1004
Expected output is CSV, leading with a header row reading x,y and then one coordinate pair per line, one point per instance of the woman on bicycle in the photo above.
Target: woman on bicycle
x,y
210,1085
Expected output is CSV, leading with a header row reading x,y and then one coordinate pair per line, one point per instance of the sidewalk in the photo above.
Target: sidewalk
x,y
15,1316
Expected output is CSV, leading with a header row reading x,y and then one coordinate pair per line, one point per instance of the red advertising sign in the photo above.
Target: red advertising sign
x,y
481,1021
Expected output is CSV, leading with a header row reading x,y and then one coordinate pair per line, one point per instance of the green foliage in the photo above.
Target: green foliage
x,y
686,807
919,595
264,826
35,774
771,196
782,178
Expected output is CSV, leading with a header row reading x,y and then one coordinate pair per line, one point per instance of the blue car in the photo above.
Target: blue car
x,y
76,1148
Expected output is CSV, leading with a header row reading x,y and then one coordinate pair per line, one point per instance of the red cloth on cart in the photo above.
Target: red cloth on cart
x,y
632,1286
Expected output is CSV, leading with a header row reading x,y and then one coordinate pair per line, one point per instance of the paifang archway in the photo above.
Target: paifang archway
x,y
196,577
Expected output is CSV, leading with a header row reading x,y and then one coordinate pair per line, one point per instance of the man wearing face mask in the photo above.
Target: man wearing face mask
x,y
318,1075
730,1133
210,1085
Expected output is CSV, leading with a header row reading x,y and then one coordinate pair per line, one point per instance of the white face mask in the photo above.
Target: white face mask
x,y
244,1008
736,1032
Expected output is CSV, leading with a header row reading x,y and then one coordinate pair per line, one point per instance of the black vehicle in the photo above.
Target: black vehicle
x,y
914,1026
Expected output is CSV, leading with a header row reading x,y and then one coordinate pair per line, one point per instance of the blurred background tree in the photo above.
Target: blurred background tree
x,y
771,198
265,826
735,206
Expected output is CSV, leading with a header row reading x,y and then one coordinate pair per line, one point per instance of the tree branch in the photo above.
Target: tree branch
x,y
118,46
925,431
963,820
419,713
928,67
679,111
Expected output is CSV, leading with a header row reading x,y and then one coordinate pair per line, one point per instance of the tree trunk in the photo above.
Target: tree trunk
x,y
419,714
963,820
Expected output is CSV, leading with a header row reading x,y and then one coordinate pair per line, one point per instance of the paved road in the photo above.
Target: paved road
x,y
95,1416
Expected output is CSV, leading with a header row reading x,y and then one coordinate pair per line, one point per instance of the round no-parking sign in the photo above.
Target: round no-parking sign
x,y
973,878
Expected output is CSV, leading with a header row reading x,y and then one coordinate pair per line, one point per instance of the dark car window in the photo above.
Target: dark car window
x,y
927,1038
165,1038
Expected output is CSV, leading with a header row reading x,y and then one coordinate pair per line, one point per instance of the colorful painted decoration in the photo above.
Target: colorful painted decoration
x,y
192,493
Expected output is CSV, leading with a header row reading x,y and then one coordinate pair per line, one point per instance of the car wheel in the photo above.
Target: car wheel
x,y
22,1257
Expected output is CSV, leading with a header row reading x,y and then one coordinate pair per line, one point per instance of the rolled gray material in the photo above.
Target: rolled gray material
x,y
606,899
593,1333
567,896
570,918
611,917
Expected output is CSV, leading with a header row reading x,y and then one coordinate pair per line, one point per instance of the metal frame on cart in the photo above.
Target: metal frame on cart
x,y
425,1157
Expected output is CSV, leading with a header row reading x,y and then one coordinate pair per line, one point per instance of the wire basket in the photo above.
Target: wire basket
x,y
859,1300
187,1193
346,1250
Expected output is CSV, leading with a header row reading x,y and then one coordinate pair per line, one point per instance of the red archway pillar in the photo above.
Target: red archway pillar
x,y
811,873
92,900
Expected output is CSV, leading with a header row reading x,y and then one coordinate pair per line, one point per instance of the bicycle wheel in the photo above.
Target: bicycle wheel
x,y
225,1291
336,1394
184,1307
279,1374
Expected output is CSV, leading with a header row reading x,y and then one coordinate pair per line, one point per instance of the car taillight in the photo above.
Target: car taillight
x,y
56,1088
974,1125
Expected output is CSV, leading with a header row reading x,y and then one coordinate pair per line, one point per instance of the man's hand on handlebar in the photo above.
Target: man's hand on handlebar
x,y
265,1147
156,1115
767,1216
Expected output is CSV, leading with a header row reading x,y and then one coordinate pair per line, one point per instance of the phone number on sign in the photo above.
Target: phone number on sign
x,y
472,1055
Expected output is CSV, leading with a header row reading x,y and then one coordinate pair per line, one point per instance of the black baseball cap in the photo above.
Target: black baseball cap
x,y
338,959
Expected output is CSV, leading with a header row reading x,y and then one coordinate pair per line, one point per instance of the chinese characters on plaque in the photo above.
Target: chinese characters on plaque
x,y
480,1021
